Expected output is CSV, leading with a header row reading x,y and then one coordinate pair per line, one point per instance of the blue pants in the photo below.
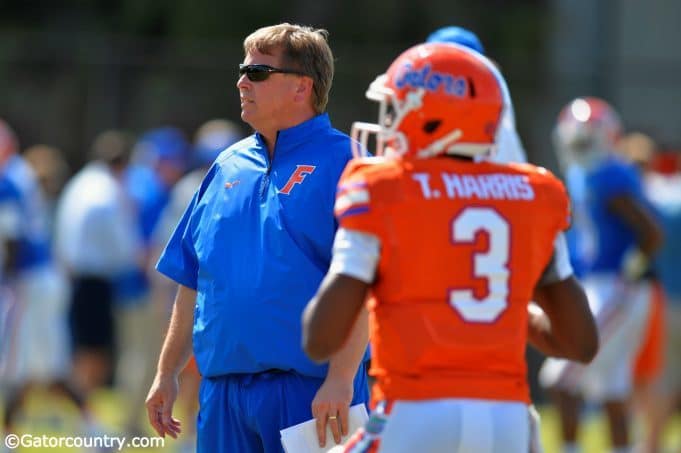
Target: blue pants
x,y
243,413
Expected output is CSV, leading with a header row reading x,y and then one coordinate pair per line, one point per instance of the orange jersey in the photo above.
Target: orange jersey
x,y
463,245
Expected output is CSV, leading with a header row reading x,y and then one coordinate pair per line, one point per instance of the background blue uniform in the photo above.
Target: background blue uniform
x,y
18,187
611,178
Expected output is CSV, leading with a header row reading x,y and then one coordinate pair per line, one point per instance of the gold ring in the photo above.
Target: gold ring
x,y
333,417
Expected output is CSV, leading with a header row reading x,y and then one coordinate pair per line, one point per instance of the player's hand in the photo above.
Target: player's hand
x,y
160,400
635,264
331,406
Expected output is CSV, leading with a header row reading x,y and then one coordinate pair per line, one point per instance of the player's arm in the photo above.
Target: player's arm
x,y
175,353
330,316
332,313
335,327
562,325
648,233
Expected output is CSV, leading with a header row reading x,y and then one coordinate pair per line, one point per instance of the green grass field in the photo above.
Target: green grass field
x,y
51,416
594,435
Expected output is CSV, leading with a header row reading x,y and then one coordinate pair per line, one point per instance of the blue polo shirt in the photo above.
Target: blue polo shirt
x,y
255,243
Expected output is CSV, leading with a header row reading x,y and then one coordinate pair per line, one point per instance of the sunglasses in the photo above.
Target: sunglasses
x,y
261,72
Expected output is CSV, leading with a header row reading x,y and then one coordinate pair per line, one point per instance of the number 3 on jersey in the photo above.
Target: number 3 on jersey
x,y
491,264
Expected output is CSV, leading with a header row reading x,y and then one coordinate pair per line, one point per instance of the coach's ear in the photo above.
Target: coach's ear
x,y
303,89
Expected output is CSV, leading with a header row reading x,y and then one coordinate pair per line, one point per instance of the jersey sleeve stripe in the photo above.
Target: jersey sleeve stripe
x,y
350,186
358,209
350,198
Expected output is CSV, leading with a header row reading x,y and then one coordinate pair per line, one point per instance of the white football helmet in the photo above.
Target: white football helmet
x,y
587,129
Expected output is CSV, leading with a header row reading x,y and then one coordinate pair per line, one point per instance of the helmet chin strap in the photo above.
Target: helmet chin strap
x,y
439,146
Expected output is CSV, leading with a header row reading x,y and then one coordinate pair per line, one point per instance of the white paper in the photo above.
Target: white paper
x,y
302,438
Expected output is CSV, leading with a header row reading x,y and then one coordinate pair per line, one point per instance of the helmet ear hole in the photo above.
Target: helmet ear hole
x,y
431,126
471,87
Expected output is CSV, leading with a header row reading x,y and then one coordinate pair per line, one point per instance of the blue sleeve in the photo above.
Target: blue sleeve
x,y
10,211
8,191
149,195
616,180
179,260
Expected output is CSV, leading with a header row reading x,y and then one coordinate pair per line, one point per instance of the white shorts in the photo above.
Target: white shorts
x,y
37,330
621,310
448,426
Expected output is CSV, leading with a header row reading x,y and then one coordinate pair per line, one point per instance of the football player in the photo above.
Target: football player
x,y
34,342
451,250
625,237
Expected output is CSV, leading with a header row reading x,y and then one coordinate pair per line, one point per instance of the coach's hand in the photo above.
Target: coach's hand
x,y
159,404
331,405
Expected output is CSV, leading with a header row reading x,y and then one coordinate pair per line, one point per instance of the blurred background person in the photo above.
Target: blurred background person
x,y
627,237
211,138
52,171
509,148
159,158
639,149
658,370
35,341
96,240
664,190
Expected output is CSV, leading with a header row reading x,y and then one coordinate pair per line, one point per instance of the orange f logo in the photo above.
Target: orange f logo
x,y
297,177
